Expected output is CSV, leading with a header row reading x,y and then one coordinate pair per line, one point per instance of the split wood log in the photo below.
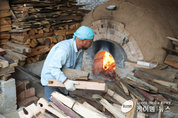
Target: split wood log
x,y
117,97
4,13
125,89
30,112
5,28
7,70
5,21
53,39
133,91
133,112
74,74
33,43
43,105
64,32
172,85
4,35
38,50
18,48
28,41
43,41
108,106
4,63
5,77
2,51
77,107
41,35
136,84
65,109
164,74
115,87
21,57
11,58
172,60
4,5
147,95
22,36
40,31
142,82
85,85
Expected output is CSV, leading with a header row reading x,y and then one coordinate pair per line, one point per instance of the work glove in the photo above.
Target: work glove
x,y
69,84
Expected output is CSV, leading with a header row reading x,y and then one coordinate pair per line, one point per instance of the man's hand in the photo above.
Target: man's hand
x,y
69,84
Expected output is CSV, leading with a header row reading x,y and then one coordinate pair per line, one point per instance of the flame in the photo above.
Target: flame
x,y
108,62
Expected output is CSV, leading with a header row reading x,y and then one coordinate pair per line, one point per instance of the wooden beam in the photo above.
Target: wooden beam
x,y
74,74
85,85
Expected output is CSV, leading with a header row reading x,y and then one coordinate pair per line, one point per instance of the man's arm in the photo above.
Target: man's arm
x,y
59,58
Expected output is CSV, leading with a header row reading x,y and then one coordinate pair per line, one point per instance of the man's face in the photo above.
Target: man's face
x,y
87,43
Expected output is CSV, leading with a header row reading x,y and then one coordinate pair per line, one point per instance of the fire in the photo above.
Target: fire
x,y
108,62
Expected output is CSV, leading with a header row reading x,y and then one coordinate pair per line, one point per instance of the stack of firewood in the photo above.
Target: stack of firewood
x,y
38,25
5,21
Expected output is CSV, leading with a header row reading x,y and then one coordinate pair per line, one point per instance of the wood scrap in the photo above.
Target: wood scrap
x,y
172,60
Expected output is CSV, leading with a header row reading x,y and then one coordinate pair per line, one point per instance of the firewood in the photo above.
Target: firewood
x,y
44,41
11,58
72,26
133,112
76,106
2,41
5,28
27,101
5,21
26,94
29,61
2,51
173,39
7,70
46,30
4,13
53,39
172,60
41,35
39,57
40,31
164,74
5,77
166,83
125,89
21,63
4,63
4,35
33,43
38,50
4,5
33,59
15,41
74,74
145,94
28,41
31,32
59,38
20,56
51,45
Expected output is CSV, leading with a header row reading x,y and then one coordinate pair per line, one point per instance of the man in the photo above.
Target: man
x,y
65,54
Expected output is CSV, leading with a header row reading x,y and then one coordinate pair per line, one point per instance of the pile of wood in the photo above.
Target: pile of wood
x,y
5,21
5,68
25,94
38,25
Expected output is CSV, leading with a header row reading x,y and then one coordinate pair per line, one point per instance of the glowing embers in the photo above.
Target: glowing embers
x,y
104,66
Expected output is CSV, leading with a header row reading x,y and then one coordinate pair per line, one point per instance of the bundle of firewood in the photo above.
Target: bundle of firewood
x,y
37,26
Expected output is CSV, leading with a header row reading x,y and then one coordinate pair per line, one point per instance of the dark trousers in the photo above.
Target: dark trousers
x,y
48,90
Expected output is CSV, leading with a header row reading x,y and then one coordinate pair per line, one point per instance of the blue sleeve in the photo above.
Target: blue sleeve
x,y
57,61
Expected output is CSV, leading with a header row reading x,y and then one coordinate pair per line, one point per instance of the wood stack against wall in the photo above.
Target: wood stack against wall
x,y
5,21
39,25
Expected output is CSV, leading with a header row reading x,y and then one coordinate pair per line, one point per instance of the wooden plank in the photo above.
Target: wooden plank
x,y
91,107
7,71
65,109
85,85
4,13
172,85
133,112
38,50
74,74
164,74
172,60
4,5
173,39
20,56
5,28
4,63
77,107
5,21
116,96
